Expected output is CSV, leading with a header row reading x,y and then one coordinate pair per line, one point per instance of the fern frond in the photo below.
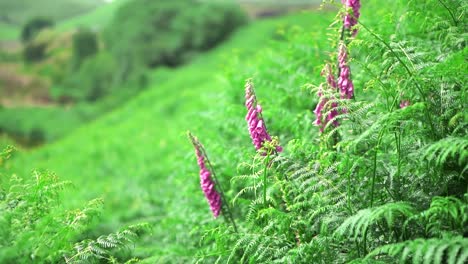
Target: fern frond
x,y
448,148
452,250
357,225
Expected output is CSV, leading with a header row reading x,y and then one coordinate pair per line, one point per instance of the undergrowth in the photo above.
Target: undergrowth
x,y
384,181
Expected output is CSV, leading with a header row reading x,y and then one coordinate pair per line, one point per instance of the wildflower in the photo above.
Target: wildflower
x,y
206,182
324,100
404,103
351,19
257,129
345,84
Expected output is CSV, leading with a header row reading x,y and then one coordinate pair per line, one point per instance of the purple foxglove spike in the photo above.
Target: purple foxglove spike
x,y
256,125
352,14
345,84
206,182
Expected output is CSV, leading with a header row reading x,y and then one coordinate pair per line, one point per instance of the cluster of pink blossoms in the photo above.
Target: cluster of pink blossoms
x,y
350,20
257,129
207,184
320,109
345,83
404,103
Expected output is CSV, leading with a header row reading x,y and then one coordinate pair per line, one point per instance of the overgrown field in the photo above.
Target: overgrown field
x,y
372,166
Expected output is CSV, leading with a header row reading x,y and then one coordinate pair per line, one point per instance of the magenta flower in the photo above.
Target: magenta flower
x,y
321,106
345,84
257,129
351,18
206,182
404,103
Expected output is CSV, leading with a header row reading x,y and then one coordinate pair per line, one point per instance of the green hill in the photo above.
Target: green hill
x,y
68,14
95,19
19,11
385,183
138,155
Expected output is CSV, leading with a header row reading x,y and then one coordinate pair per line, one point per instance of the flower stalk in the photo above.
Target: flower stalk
x,y
256,125
210,185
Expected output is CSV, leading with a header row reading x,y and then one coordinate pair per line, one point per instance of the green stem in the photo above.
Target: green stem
x,y
265,174
228,212
450,12
398,147
374,172
410,73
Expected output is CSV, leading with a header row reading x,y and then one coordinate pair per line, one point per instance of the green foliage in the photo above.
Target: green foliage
x,y
27,126
387,185
153,33
33,27
104,247
20,11
387,181
34,52
94,79
85,44
35,228
450,250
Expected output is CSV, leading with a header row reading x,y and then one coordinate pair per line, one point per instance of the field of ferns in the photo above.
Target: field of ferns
x,y
339,140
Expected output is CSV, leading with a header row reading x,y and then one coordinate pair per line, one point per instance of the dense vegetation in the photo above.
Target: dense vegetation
x,y
381,178
95,70
18,12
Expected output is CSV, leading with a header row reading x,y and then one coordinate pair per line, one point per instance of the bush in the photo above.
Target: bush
x,y
153,33
34,52
39,47
33,26
85,44
94,79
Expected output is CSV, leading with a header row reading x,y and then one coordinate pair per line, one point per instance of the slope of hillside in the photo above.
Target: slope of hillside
x,y
137,156
19,11
95,19
72,14
371,169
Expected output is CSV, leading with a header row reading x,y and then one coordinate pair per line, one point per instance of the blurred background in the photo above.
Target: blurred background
x,y
64,63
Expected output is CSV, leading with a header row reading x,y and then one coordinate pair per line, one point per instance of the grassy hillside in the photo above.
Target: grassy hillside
x,y
19,11
68,14
139,153
9,32
95,19
384,182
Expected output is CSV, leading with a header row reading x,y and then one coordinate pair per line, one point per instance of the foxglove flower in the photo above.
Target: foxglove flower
x,y
257,129
320,109
345,84
206,182
351,18
404,103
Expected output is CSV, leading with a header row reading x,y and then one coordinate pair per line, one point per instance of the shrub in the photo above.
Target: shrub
x,y
85,44
94,79
34,52
153,33
33,26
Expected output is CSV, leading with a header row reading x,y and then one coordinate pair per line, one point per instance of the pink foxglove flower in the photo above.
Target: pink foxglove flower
x,y
206,182
345,84
257,128
320,109
404,103
351,18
